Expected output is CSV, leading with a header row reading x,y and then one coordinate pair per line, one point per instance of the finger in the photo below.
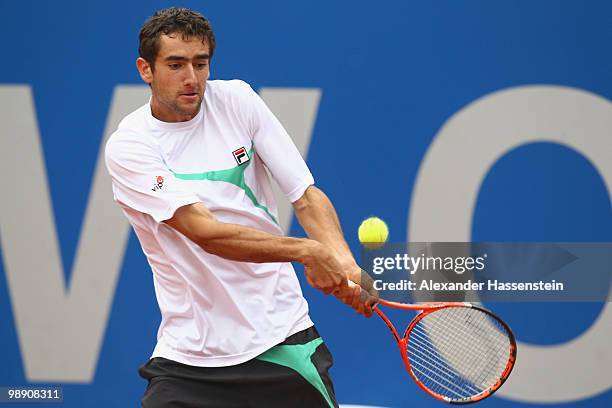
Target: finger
x,y
345,295
339,285
360,298
356,298
350,298
365,303
369,306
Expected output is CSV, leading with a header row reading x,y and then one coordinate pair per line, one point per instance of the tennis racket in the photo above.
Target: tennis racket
x,y
456,352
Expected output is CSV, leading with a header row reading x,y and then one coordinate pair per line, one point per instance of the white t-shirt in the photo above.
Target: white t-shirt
x,y
215,312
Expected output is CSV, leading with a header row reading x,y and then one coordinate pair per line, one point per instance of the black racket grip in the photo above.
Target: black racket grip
x,y
367,283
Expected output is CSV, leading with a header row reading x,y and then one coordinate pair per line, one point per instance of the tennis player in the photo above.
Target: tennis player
x,y
189,172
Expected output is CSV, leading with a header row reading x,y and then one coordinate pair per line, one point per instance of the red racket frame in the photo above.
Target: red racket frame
x,y
427,308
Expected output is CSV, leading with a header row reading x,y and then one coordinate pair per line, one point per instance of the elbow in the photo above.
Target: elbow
x,y
197,224
306,200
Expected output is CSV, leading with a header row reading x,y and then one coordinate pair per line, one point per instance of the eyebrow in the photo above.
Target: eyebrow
x,y
179,58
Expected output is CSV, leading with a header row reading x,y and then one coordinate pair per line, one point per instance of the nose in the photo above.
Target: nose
x,y
190,77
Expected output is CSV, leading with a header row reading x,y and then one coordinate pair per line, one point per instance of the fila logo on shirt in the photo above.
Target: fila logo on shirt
x,y
159,183
241,155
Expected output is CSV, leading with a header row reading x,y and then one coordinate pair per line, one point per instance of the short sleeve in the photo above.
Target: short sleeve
x,y
142,181
275,147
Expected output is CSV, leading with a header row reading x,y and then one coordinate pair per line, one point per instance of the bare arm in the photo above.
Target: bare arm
x,y
317,216
240,243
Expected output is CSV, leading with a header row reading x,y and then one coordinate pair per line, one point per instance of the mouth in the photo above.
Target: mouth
x,y
189,96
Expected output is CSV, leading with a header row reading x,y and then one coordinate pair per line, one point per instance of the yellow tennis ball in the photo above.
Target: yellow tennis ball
x,y
373,233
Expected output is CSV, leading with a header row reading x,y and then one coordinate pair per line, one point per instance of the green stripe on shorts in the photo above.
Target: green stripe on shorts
x,y
297,357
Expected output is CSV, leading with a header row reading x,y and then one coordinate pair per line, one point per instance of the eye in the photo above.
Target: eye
x,y
174,66
202,65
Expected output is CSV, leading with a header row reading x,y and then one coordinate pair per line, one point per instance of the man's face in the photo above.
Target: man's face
x,y
179,79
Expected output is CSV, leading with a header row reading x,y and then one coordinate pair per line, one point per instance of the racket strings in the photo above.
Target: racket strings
x,y
458,352
445,343
444,379
434,362
478,332
458,362
436,374
436,357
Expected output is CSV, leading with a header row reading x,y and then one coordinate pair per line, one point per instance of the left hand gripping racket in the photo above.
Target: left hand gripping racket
x,y
456,352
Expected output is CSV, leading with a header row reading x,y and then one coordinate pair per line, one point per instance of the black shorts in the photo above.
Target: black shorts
x,y
292,374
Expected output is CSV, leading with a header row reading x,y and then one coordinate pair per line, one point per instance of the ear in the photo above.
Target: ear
x,y
145,70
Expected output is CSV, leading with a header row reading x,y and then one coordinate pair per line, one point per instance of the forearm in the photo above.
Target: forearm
x,y
237,242
319,219
240,243
317,216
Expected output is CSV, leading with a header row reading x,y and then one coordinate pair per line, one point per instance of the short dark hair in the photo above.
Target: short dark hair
x,y
173,20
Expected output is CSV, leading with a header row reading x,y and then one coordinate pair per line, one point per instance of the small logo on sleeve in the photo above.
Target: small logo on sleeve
x,y
159,183
241,155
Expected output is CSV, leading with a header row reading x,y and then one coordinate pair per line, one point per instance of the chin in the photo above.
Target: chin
x,y
190,110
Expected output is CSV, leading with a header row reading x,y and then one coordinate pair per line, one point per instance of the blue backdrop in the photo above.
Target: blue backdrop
x,y
390,76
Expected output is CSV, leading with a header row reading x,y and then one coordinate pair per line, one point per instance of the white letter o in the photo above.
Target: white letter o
x,y
455,165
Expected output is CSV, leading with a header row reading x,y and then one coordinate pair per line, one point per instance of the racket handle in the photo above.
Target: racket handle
x,y
367,298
